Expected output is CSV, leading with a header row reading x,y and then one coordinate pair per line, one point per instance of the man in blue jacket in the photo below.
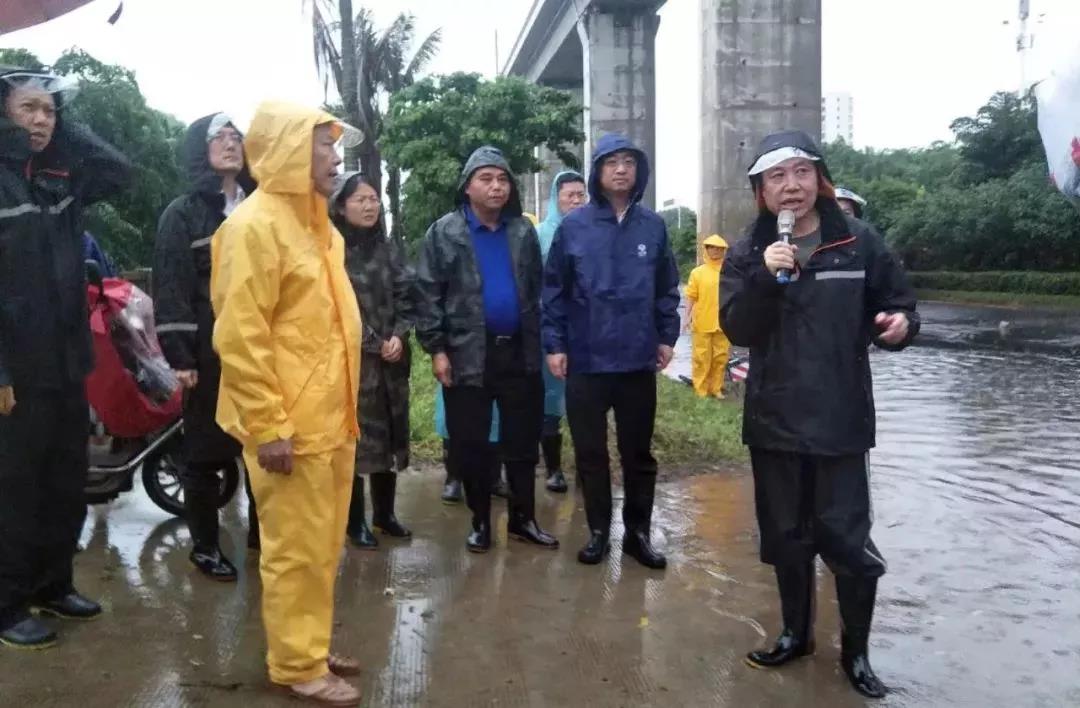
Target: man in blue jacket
x,y
610,322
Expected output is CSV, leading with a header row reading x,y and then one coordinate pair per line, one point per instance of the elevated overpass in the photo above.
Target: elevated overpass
x,y
761,72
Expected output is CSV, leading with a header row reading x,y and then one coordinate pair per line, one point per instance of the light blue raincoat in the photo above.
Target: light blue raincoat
x,y
554,389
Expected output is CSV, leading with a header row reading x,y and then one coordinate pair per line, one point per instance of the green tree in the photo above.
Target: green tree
x,y
434,125
112,105
1001,138
20,58
682,231
367,66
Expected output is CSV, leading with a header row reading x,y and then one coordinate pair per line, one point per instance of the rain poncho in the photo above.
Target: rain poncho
x,y
554,389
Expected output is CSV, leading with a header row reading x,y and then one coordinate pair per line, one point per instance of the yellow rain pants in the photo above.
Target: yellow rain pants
x,y
303,517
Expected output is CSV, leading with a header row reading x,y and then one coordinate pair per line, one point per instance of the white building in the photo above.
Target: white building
x,y
837,118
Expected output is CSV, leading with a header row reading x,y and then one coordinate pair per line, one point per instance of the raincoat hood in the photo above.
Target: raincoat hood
x,y
552,217
545,231
714,240
278,147
795,139
490,156
196,157
858,203
609,145
798,141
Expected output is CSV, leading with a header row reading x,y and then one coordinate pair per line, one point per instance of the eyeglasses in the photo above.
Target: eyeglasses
x,y
223,138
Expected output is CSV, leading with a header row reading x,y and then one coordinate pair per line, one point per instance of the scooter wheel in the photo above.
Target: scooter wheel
x,y
161,479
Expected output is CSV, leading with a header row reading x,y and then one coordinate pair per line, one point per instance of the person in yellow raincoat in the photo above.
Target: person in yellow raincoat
x,y
711,346
288,334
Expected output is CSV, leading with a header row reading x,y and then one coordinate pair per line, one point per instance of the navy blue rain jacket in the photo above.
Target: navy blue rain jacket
x,y
611,290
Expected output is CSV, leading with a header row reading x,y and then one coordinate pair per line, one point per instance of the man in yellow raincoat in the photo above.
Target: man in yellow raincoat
x,y
288,334
711,346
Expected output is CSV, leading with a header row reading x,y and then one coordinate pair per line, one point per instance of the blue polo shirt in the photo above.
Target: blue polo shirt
x,y
502,316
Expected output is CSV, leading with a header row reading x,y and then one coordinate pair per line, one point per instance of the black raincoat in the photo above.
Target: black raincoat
x,y
809,390
45,354
183,313
44,331
450,312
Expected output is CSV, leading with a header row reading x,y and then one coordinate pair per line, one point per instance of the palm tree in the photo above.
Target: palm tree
x,y
366,66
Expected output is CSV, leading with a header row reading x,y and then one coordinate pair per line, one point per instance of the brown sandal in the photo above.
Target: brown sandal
x,y
329,691
343,665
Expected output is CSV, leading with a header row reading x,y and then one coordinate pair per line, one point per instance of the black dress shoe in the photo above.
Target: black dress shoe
x,y
479,540
787,648
30,633
530,532
595,550
453,492
556,482
214,565
72,606
391,527
637,545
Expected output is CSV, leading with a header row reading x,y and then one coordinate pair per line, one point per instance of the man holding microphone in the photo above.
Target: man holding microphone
x,y
809,412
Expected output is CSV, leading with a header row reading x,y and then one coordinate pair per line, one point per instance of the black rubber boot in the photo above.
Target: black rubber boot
x,y
796,585
201,511
357,530
551,446
856,598
639,492
383,493
637,545
594,551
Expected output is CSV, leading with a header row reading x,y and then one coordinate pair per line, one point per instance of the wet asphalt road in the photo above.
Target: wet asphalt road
x,y
977,492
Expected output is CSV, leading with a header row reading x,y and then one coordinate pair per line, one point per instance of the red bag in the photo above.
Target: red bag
x,y
132,389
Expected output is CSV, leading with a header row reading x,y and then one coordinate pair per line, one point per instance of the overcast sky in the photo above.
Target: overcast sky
x,y
912,66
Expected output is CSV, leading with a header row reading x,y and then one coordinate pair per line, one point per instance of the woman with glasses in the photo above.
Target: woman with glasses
x,y
384,284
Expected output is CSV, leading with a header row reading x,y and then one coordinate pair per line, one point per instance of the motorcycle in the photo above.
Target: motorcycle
x,y
135,402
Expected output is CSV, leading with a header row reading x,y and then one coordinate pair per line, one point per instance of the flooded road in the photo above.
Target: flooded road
x,y
977,500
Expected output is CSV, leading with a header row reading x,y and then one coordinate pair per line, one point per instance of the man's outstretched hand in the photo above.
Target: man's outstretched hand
x,y
892,329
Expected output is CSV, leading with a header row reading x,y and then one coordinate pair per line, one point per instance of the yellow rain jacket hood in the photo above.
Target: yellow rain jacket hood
x,y
287,323
704,288
718,241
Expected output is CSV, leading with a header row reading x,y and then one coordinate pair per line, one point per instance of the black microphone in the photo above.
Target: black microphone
x,y
785,224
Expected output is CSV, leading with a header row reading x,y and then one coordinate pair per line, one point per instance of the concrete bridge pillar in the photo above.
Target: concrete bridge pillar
x,y
761,73
619,47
